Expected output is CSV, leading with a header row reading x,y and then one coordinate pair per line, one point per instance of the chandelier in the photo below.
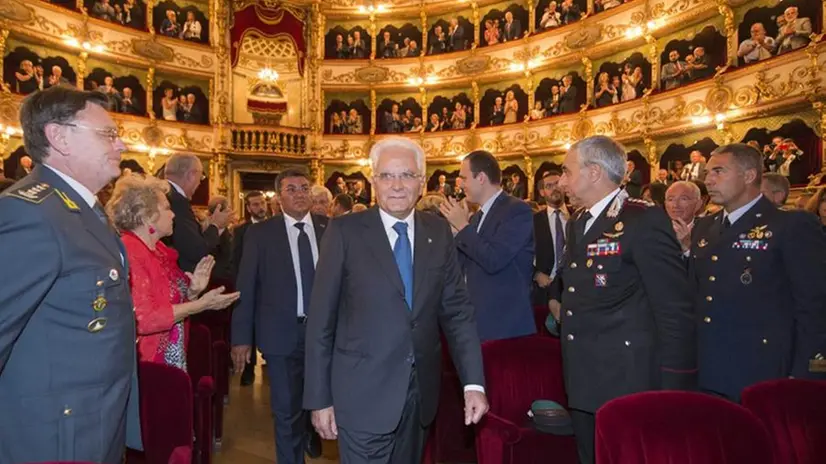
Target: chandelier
x,y
268,74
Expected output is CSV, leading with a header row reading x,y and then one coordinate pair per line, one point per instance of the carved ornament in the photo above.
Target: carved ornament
x,y
372,74
473,64
584,36
152,50
16,11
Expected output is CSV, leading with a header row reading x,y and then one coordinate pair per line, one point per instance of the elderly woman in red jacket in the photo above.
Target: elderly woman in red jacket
x,y
164,295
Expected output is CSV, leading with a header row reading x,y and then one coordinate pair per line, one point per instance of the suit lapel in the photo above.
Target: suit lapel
x,y
421,258
381,250
494,211
279,231
320,225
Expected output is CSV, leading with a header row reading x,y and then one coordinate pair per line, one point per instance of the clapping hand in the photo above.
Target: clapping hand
x,y
199,279
683,233
217,299
456,213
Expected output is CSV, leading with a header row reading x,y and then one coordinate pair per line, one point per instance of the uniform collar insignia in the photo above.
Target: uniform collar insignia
x,y
617,204
33,193
71,205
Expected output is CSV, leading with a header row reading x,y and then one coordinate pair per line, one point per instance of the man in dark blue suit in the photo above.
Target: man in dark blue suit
x,y
759,273
496,249
68,389
276,277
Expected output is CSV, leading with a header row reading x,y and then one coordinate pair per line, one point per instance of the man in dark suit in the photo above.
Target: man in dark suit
x,y
549,234
495,248
276,278
24,167
512,29
387,280
444,188
256,206
633,180
185,173
128,104
568,96
759,273
627,324
68,385
456,36
518,190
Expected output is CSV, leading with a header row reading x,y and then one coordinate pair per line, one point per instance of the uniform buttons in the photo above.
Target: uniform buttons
x,y
99,283
571,289
714,258
709,298
599,267
570,337
627,343
748,258
67,411
569,313
765,341
573,265
707,320
712,278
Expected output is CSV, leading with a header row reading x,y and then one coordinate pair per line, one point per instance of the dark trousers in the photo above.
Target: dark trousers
x,y
292,423
404,445
584,424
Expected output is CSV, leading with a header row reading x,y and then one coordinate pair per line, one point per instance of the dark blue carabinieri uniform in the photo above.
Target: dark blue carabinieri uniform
x,y
67,329
760,298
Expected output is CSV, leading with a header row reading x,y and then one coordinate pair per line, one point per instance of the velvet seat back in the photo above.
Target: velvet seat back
x,y
166,410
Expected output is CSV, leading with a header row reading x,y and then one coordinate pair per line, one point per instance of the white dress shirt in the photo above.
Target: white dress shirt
x,y
388,222
599,207
739,212
178,188
552,220
486,208
292,237
81,190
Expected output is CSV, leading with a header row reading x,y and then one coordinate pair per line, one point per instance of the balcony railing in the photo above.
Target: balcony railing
x,y
274,140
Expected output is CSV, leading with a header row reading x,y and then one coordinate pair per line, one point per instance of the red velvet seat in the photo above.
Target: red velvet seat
x,y
517,372
794,412
200,365
166,410
679,428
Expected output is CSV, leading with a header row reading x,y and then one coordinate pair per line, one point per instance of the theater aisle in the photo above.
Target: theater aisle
x,y
248,433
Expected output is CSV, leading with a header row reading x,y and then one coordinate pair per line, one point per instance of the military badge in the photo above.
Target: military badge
x,y
99,304
619,226
96,325
745,277
589,263
71,205
113,275
617,204
702,243
758,232
601,280
33,193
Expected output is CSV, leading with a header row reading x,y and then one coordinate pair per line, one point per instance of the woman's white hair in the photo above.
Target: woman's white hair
x,y
401,143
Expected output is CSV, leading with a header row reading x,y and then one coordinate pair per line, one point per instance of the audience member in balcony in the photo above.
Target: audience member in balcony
x,y
359,48
342,51
570,12
190,112
446,118
552,103
24,167
459,118
629,83
435,124
568,96
56,78
341,186
387,48
443,187
407,120
336,124
25,78
169,105
164,295
102,9
170,26
696,170
108,89
456,36
132,14
551,18
359,194
673,72
701,68
39,75
497,115
402,52
118,14
795,32
633,180
538,112
758,47
512,30
617,86
179,113
492,31
511,107
414,50
438,44
604,92
354,124
417,125
192,28
605,5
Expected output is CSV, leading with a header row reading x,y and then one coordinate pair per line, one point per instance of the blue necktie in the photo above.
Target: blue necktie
x,y
404,259
305,264
476,219
559,240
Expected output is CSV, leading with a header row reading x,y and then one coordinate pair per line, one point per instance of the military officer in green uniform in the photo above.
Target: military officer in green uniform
x,y
67,332
759,273
627,323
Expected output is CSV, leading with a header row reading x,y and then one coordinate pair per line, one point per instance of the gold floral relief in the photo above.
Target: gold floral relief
x,y
555,50
583,36
16,11
346,78
205,62
719,98
372,74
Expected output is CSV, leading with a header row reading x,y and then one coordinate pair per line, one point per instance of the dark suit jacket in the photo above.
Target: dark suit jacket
x,y
269,295
514,33
519,191
634,185
238,235
498,263
187,237
764,308
360,332
627,319
64,390
568,102
446,191
131,107
545,255
456,41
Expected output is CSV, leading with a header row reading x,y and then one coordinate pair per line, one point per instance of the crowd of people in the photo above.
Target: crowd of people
x,y
793,33
695,65
126,12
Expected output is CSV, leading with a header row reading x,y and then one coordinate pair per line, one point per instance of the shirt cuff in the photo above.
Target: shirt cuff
x,y
475,388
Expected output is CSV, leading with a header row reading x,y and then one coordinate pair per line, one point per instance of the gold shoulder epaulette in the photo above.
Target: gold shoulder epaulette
x,y
639,202
34,192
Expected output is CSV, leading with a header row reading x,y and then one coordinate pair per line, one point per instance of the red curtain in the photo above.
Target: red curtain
x,y
268,23
267,107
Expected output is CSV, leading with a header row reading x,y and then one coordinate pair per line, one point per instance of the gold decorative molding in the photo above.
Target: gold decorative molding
x,y
16,11
583,36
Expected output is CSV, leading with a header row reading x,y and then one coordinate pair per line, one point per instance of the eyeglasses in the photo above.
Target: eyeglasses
x,y
110,133
292,190
407,177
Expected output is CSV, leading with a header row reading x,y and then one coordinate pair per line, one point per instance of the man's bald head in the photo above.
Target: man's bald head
x,y
683,201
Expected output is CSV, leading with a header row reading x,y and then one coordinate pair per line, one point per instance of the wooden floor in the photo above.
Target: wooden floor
x,y
248,427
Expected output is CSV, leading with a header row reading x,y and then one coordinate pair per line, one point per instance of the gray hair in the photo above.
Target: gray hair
x,y
136,200
399,143
779,183
316,190
604,152
180,164
695,191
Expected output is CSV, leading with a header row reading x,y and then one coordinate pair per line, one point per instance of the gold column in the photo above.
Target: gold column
x,y
220,86
4,35
651,155
589,80
530,175
221,172
590,8
529,81
531,17
476,104
372,111
373,39
476,26
150,7
654,58
423,17
315,172
79,5
150,89
81,69
423,102
731,31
